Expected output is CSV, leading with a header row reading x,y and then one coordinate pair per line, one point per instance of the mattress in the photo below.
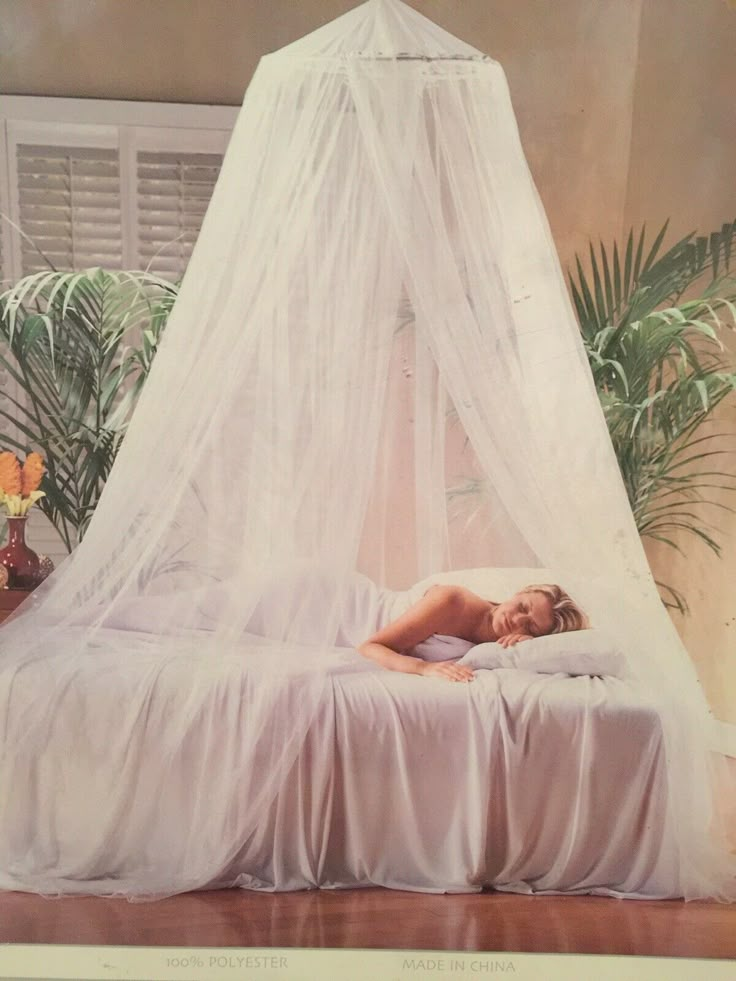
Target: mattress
x,y
151,772
442,787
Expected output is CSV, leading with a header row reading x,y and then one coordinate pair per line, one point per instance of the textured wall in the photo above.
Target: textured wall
x,y
625,110
683,162
570,66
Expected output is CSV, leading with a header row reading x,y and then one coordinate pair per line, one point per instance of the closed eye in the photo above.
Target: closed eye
x,y
531,626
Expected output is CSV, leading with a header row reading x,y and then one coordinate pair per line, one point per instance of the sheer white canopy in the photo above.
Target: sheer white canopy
x,y
373,367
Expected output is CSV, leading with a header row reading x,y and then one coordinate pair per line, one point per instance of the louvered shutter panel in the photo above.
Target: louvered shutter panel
x,y
69,207
174,190
7,385
4,272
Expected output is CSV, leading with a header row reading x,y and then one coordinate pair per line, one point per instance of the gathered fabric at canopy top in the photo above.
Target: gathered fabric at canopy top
x,y
372,365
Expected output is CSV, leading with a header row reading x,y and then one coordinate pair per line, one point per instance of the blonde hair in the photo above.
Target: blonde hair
x,y
566,612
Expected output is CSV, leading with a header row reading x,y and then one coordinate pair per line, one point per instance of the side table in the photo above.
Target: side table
x,y
10,600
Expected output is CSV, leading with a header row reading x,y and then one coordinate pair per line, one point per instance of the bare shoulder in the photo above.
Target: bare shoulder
x,y
442,609
440,590
458,597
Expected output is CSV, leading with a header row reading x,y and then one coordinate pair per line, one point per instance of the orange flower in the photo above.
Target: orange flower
x,y
10,475
33,470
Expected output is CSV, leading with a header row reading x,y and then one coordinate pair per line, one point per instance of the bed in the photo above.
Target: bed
x,y
399,781
452,788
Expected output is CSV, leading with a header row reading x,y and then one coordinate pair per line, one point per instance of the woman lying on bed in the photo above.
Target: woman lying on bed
x,y
457,612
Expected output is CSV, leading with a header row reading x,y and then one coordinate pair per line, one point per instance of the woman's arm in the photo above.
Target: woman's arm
x,y
440,610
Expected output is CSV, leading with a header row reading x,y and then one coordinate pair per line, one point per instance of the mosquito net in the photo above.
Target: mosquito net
x,y
372,369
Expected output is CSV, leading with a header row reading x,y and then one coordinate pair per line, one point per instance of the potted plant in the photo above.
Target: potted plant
x,y
661,370
79,346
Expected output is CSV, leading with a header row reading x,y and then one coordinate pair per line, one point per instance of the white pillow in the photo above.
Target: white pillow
x,y
573,652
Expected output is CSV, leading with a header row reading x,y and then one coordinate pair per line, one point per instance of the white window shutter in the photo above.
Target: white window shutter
x,y
173,192
102,183
4,271
7,387
69,206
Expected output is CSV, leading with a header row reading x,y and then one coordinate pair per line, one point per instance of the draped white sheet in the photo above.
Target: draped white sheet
x,y
452,788
373,319
429,787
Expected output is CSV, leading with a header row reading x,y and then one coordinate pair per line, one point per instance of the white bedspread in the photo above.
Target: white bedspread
x,y
134,777
400,781
449,787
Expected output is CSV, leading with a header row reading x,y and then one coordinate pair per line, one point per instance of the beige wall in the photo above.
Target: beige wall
x,y
625,109
570,66
682,167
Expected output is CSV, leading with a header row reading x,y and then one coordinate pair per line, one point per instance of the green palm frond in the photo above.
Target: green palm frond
x,y
660,369
79,346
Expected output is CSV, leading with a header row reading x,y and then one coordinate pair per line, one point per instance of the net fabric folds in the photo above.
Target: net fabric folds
x,y
372,370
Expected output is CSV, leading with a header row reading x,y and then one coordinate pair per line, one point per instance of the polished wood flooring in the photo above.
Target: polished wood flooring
x,y
379,918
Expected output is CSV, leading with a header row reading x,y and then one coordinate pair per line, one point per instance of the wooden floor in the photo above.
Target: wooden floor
x,y
379,918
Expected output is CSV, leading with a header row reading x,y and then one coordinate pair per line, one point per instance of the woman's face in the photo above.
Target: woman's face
x,y
524,613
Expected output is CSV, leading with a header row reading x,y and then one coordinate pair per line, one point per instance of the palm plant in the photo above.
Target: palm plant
x,y
660,369
79,346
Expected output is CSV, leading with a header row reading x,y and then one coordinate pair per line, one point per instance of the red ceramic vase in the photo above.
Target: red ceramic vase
x,y
21,561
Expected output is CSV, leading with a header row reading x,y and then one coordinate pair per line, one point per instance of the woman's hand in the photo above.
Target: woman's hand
x,y
510,639
446,669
